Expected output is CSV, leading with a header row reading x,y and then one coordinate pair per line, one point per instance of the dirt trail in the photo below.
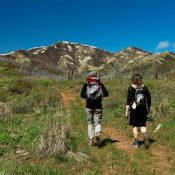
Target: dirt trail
x,y
160,161
121,140
162,157
67,98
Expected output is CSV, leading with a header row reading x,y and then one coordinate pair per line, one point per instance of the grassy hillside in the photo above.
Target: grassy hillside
x,y
44,130
73,60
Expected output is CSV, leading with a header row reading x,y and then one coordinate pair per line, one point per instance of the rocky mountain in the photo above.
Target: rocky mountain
x,y
74,59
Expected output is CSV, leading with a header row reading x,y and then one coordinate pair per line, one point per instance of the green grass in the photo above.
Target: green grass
x,y
36,104
114,116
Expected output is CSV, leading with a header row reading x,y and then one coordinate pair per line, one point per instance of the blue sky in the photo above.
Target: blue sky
x,y
108,24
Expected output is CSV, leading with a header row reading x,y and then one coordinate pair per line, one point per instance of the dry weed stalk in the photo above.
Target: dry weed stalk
x,y
54,140
5,111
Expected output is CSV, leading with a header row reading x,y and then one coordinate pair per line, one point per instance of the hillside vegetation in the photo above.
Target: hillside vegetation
x,y
44,130
66,60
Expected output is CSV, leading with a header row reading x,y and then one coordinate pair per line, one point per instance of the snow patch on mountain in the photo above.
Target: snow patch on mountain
x,y
33,48
8,53
37,50
75,43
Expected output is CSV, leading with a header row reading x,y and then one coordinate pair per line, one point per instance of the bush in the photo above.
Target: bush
x,y
21,105
53,141
5,110
22,85
3,96
161,109
38,100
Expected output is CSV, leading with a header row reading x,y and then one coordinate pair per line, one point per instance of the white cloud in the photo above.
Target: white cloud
x,y
163,45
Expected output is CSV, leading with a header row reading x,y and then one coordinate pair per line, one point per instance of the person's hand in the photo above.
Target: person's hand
x,y
126,114
127,111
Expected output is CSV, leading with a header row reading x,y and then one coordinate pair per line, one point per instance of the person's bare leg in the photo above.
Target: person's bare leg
x,y
135,142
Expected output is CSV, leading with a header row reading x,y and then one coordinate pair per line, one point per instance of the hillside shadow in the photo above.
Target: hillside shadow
x,y
107,141
151,141
150,118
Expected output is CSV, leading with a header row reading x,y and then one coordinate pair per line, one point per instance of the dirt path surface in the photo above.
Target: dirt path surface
x,y
121,140
67,98
161,163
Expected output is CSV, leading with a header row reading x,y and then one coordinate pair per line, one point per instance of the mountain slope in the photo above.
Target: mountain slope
x,y
65,58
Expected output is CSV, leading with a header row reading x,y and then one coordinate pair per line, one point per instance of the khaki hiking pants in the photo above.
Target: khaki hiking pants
x,y
94,117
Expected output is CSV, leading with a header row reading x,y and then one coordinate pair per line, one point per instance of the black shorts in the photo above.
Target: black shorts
x,y
138,117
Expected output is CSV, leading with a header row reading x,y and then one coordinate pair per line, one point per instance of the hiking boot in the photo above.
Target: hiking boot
x,y
97,140
91,142
146,142
135,144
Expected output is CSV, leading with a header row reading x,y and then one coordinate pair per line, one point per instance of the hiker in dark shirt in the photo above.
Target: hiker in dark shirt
x,y
93,91
138,104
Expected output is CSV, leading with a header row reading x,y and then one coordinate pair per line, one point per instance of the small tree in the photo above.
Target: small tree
x,y
156,70
71,72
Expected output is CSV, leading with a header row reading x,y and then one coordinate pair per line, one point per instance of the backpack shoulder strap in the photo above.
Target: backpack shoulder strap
x,y
130,92
130,87
145,89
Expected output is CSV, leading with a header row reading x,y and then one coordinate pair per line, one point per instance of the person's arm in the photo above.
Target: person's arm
x,y
127,110
128,101
83,91
104,90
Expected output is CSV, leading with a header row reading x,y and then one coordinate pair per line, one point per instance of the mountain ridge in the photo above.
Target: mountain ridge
x,y
75,59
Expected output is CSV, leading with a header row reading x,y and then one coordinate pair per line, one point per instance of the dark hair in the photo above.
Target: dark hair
x,y
136,79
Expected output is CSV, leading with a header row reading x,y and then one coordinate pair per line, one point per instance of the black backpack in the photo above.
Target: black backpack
x,y
140,98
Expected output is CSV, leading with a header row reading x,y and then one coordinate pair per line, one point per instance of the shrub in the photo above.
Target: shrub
x,y
22,85
38,100
161,109
5,110
54,140
21,105
3,96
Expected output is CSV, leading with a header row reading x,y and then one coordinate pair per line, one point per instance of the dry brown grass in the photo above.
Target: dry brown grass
x,y
54,140
162,108
5,111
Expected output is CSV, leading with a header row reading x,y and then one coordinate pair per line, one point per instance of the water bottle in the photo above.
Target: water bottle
x,y
157,128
